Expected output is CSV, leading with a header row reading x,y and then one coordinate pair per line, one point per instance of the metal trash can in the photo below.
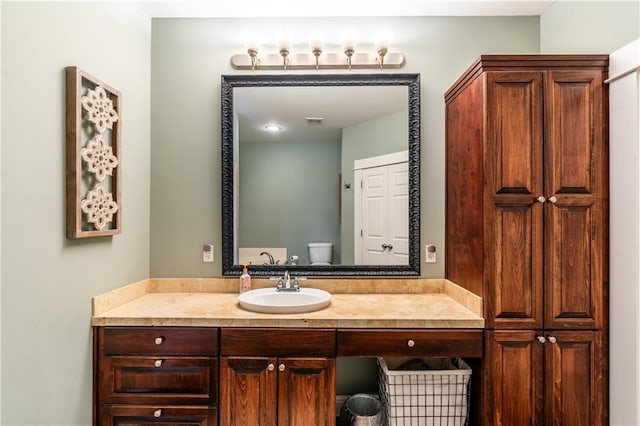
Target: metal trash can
x,y
362,409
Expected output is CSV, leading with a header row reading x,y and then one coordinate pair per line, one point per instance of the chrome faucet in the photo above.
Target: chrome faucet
x,y
284,283
270,256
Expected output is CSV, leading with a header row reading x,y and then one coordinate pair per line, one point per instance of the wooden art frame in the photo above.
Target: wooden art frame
x,y
93,127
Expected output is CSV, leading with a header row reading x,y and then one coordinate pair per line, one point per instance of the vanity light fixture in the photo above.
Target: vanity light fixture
x,y
285,58
253,54
252,41
382,47
317,44
284,47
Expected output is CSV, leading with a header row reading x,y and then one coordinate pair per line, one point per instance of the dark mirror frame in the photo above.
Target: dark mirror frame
x,y
412,81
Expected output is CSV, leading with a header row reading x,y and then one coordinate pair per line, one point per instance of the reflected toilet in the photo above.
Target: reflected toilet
x,y
320,253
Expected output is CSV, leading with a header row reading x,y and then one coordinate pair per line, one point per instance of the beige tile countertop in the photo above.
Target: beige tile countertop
x,y
355,303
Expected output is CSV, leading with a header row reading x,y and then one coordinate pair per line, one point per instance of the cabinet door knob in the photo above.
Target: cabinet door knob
x,y
411,343
553,199
159,340
157,413
157,363
541,339
541,199
552,339
281,367
271,367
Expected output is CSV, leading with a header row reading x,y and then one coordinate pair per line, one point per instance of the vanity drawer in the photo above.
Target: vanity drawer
x,y
408,342
278,342
151,380
188,341
133,415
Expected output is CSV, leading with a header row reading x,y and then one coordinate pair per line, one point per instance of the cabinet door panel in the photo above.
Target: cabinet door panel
x,y
575,379
575,219
513,393
514,182
248,391
306,392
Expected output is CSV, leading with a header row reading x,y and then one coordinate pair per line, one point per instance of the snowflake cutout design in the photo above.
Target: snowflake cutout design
x,y
99,158
99,207
100,109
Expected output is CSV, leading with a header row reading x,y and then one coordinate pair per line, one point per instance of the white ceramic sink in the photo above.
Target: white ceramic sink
x,y
270,301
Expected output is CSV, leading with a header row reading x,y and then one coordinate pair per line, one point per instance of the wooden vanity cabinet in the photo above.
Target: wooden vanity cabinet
x,y
527,228
164,375
545,377
279,376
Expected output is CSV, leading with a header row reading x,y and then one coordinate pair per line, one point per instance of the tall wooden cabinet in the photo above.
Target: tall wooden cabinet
x,y
526,228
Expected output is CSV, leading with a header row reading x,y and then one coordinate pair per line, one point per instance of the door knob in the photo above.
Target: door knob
x,y
541,199
553,199
281,367
552,339
541,339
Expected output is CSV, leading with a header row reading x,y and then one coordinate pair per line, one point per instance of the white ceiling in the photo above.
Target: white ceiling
x,y
337,8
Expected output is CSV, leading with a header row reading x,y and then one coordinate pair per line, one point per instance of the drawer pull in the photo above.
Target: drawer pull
x,y
271,367
157,413
281,367
159,340
157,363
411,343
541,339
552,339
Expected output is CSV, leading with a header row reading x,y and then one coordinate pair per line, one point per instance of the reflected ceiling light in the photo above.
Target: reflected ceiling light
x,y
273,127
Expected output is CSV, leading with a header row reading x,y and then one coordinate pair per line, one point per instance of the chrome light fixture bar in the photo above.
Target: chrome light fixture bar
x,y
330,60
318,57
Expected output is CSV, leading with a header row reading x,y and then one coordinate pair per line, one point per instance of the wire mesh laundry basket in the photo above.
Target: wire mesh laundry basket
x,y
436,396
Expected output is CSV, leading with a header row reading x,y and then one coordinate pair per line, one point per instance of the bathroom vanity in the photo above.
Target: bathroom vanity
x,y
183,352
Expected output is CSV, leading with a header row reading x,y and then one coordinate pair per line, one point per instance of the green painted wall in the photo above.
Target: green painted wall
x,y
47,280
589,26
381,136
289,195
190,55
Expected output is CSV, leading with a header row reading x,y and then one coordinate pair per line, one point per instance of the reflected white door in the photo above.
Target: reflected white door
x,y
382,221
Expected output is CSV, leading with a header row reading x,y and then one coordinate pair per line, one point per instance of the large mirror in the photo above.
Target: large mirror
x,y
321,174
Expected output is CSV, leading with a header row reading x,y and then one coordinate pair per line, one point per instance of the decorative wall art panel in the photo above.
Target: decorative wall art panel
x,y
94,206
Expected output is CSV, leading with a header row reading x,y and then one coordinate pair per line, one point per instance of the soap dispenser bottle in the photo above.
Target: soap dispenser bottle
x,y
245,280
